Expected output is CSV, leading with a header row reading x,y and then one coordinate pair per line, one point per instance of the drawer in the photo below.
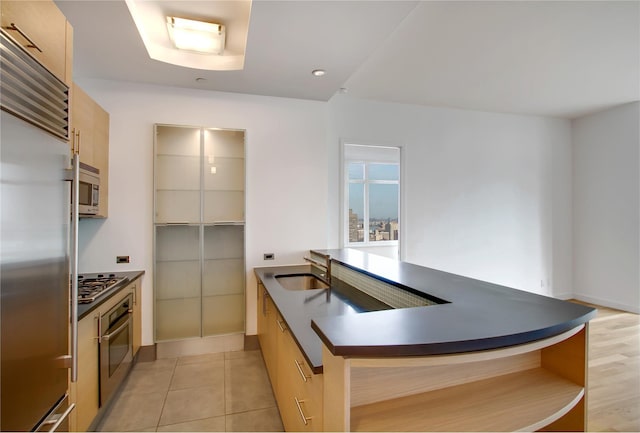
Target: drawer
x,y
304,396
309,382
299,415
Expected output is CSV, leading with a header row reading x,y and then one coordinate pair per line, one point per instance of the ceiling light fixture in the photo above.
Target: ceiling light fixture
x,y
150,17
198,36
318,72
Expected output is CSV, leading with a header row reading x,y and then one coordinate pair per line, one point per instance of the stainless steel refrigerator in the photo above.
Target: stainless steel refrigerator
x,y
35,233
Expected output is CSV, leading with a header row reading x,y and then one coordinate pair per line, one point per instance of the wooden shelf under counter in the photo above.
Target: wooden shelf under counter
x,y
523,401
535,386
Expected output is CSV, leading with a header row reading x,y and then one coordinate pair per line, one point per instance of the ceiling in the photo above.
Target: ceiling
x,y
551,58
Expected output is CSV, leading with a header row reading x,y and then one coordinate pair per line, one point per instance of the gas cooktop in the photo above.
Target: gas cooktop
x,y
90,287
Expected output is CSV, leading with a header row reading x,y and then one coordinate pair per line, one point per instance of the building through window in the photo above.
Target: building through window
x,y
372,195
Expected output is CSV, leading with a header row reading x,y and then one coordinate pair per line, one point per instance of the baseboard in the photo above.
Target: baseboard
x,y
564,296
251,342
146,354
607,303
200,346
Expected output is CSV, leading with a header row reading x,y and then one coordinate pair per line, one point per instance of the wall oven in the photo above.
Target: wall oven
x,y
88,190
116,346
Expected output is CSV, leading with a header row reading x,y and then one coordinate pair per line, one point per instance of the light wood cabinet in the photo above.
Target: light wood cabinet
x,y
297,389
300,397
90,139
43,31
265,316
85,392
267,334
136,291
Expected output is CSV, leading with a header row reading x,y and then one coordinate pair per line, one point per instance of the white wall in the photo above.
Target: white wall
x,y
286,161
606,155
486,195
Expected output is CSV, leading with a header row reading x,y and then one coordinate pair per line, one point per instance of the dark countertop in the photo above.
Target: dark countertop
x,y
298,307
478,316
84,309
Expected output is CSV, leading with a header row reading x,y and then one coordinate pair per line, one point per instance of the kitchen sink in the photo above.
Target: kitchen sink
x,y
301,282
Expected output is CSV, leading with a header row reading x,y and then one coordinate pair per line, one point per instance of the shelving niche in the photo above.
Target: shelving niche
x,y
535,386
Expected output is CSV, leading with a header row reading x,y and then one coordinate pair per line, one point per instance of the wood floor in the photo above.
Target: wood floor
x,y
614,371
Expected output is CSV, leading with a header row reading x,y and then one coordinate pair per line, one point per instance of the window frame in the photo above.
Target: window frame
x,y
366,181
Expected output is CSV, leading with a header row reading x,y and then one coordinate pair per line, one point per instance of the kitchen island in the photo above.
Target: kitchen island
x,y
476,356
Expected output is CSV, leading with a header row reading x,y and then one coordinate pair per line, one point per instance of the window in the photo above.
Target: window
x,y
372,195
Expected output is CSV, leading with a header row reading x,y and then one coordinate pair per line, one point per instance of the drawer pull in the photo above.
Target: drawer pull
x,y
282,328
305,419
304,376
264,303
32,44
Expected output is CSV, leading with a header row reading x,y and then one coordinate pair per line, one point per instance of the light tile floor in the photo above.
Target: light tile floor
x,y
214,392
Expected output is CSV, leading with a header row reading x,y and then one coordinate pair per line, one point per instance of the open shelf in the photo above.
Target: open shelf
x,y
536,385
527,400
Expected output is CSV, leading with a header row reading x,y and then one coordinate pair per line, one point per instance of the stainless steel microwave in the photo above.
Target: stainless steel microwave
x,y
89,190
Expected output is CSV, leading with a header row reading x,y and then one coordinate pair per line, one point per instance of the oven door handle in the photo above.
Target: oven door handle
x,y
118,329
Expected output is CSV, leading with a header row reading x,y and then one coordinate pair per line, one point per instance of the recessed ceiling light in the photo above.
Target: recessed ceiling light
x,y
318,72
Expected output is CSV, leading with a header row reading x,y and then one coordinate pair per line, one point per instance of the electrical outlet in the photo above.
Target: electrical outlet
x,y
268,256
122,259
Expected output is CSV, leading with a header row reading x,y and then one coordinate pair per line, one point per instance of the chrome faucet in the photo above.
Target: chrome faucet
x,y
326,266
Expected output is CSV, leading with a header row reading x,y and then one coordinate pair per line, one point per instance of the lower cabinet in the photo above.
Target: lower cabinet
x,y
297,389
85,392
135,288
267,333
300,399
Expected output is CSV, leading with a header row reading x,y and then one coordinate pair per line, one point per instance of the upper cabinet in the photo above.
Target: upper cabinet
x,y
90,139
43,31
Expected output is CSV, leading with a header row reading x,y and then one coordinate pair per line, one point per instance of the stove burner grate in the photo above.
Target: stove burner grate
x,y
90,288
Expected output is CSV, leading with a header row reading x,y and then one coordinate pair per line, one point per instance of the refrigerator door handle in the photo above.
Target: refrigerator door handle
x,y
74,266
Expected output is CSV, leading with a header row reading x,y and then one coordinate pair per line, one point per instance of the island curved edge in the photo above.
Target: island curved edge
x,y
535,386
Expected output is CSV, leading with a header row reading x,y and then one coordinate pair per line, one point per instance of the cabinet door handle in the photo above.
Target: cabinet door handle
x,y
305,419
78,141
264,303
282,328
304,376
24,35
99,337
